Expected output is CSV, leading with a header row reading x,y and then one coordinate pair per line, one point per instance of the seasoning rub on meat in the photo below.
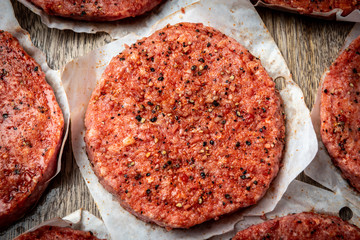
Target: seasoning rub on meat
x,y
340,113
53,232
301,226
96,10
31,130
185,126
314,6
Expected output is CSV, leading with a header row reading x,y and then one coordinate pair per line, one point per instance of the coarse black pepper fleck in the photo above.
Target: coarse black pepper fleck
x,y
138,117
215,103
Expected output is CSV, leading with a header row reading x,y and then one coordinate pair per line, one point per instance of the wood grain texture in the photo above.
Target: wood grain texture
x,y
308,45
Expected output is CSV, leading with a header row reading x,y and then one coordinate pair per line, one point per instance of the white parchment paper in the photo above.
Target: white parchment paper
x,y
9,23
334,14
301,197
78,220
116,29
322,169
237,19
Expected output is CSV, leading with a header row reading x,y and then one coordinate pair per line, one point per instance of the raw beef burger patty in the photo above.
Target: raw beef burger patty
x,y
96,10
301,226
52,232
185,126
311,6
340,113
31,127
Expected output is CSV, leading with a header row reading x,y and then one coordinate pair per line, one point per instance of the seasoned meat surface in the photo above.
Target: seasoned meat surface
x,y
302,226
31,130
313,6
96,10
52,232
185,126
340,112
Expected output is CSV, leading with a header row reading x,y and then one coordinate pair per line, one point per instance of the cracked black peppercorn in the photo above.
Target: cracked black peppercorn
x,y
215,103
138,117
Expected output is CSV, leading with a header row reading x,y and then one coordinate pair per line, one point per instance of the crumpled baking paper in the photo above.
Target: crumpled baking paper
x,y
116,29
9,23
322,170
334,14
78,220
237,19
301,197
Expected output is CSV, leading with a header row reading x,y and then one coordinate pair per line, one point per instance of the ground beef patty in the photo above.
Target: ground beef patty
x,y
301,226
340,113
52,232
313,6
96,10
185,126
31,127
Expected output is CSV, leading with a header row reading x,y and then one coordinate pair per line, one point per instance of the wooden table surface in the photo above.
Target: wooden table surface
x,y
308,45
